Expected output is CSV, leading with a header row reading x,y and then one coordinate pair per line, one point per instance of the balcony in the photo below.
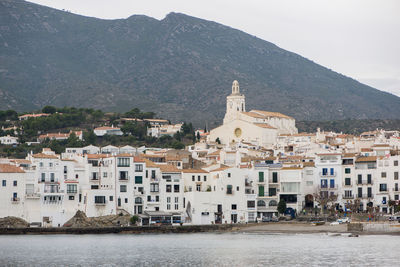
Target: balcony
x,y
348,197
100,203
272,181
94,178
327,187
328,174
123,178
54,192
153,202
364,182
15,200
348,185
365,196
396,189
32,195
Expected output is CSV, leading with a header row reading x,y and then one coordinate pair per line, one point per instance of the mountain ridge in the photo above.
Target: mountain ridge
x,y
180,66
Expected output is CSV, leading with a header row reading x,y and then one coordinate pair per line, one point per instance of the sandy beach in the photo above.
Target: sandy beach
x,y
291,227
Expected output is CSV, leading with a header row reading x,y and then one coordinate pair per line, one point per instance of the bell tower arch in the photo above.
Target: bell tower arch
x,y
235,103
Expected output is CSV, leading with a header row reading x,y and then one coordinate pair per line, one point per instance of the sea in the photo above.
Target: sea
x,y
199,249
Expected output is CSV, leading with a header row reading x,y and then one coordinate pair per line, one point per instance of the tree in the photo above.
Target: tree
x,y
49,109
325,200
198,135
134,219
89,137
218,141
282,206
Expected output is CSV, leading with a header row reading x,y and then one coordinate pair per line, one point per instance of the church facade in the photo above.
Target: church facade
x,y
256,126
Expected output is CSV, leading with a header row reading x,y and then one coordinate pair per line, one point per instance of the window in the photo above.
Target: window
x,y
122,188
168,188
50,164
347,181
369,178
261,203
193,178
383,174
71,188
251,204
52,177
99,199
176,188
324,183
15,183
123,175
396,197
347,170
272,192
157,198
153,174
274,177
176,206
332,183
168,206
43,177
123,162
138,200
382,187
147,173
198,188
234,206
229,189
347,193
154,187
261,191
71,197
126,200
111,198
396,163
273,203
205,178
104,174
168,199
176,199
138,167
41,164
4,183
198,178
360,192
261,177
229,174
359,179
309,183
94,186
237,188
138,180
396,175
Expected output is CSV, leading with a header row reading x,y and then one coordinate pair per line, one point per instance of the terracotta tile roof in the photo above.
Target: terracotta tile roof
x,y
107,128
125,155
44,156
366,159
254,115
291,168
138,159
194,171
349,155
97,156
271,114
21,161
33,115
7,168
215,153
264,125
169,168
156,120
309,164
222,168
149,163
381,145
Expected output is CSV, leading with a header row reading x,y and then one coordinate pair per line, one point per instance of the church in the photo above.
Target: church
x,y
256,126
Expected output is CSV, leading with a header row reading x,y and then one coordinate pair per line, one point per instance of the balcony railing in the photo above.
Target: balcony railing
x,y
15,200
51,191
327,187
123,178
32,195
348,197
94,178
328,174
396,189
348,185
100,203
365,196
365,182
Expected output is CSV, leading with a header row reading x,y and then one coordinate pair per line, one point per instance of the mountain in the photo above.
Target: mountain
x,y
181,67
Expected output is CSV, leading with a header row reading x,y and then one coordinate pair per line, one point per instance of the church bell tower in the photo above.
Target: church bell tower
x,y
235,103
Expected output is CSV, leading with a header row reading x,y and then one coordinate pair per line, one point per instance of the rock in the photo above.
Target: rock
x,y
14,222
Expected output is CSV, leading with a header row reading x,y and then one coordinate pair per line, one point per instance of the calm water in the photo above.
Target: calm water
x,y
205,249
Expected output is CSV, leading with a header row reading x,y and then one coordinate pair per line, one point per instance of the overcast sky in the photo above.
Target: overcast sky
x,y
358,38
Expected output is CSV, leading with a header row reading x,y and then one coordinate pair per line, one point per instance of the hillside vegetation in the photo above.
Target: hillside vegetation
x,y
180,67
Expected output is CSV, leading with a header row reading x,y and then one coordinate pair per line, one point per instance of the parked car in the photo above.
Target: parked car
x,y
266,219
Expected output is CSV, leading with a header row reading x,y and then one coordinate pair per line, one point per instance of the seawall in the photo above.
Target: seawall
x,y
117,230
374,228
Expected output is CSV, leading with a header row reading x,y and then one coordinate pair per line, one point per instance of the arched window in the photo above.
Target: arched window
x,y
138,200
273,203
261,203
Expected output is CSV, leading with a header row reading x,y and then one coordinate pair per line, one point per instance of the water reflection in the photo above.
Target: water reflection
x,y
207,249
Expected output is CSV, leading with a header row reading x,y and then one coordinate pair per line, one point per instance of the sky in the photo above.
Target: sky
x,y
357,38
